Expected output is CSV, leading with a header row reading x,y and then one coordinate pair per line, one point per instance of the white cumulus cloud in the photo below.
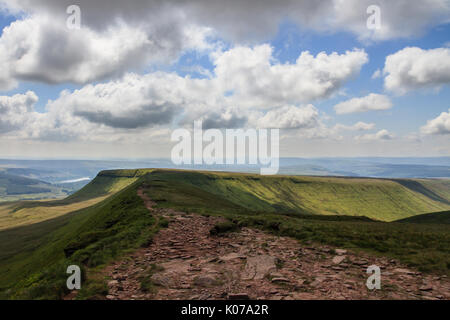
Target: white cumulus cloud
x,y
415,68
439,125
359,126
42,49
290,117
370,102
380,135
257,79
17,111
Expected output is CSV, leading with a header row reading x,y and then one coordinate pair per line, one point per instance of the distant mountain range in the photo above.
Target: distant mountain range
x,y
62,171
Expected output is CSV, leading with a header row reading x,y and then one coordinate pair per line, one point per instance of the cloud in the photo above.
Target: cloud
x,y
140,101
257,79
7,82
135,103
130,107
377,74
115,39
321,131
16,111
439,125
42,49
368,103
243,21
225,119
359,126
129,103
399,19
149,115
380,135
415,68
290,117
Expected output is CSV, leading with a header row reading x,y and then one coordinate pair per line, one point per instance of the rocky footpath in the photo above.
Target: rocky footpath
x,y
185,262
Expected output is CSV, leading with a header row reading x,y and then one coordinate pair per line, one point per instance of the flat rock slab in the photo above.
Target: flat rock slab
x,y
231,256
338,259
404,271
258,267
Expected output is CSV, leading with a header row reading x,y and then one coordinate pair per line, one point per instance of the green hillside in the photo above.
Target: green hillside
x,y
379,199
107,182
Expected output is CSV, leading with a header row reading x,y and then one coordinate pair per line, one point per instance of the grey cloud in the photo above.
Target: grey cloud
x,y
147,116
217,121
157,31
41,48
246,20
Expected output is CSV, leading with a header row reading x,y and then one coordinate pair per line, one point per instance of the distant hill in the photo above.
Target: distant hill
x,y
14,187
107,182
55,171
435,217
379,199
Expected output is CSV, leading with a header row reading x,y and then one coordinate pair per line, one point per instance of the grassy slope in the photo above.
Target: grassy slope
x,y
379,199
34,264
106,183
13,215
441,187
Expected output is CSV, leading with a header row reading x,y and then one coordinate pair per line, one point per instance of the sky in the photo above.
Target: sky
x,y
121,83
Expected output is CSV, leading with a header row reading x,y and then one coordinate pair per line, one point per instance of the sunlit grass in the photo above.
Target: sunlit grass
x,y
9,217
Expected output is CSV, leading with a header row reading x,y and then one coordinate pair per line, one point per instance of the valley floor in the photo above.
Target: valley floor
x,y
185,262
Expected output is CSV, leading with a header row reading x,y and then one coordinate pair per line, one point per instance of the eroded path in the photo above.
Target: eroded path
x,y
186,262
